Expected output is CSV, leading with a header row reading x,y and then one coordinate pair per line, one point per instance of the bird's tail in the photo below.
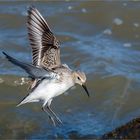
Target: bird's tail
x,y
27,99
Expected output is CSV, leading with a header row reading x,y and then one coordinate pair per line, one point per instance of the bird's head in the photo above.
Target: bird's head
x,y
80,78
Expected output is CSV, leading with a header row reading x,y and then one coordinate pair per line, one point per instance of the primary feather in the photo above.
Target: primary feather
x,y
32,70
45,46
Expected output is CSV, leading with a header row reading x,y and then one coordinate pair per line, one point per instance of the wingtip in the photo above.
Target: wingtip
x,y
5,53
31,8
9,58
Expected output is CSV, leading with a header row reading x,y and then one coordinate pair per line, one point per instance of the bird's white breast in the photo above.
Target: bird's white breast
x,y
48,89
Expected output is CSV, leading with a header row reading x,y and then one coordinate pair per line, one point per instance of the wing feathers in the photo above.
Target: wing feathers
x,y
32,70
42,40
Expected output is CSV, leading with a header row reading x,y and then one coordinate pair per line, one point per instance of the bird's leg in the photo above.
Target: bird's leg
x,y
56,117
50,117
52,112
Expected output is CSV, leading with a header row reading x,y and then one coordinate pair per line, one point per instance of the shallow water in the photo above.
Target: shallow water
x,y
100,38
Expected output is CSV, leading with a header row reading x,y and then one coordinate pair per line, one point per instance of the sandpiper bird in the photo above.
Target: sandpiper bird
x,y
49,77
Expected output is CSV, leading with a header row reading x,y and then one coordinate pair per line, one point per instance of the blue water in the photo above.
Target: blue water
x,y
99,38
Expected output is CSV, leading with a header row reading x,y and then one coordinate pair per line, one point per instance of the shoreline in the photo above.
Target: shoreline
x,y
130,130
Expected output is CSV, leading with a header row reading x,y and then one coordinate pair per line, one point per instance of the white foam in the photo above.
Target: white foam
x,y
1,80
107,31
83,10
136,24
118,21
21,81
70,7
127,45
125,4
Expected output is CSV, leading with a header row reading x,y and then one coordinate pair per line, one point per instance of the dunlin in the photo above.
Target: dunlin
x,y
49,77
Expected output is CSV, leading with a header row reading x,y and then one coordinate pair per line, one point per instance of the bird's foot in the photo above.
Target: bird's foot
x,y
58,120
52,120
55,120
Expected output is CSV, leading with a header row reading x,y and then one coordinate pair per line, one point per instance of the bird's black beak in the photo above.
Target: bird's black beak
x,y
85,88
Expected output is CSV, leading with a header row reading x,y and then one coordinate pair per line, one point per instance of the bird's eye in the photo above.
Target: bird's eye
x,y
78,78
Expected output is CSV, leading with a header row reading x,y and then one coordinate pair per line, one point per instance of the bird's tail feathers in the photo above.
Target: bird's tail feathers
x,y
27,99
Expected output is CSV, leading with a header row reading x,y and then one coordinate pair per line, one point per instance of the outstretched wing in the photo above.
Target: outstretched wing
x,y
45,47
32,70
